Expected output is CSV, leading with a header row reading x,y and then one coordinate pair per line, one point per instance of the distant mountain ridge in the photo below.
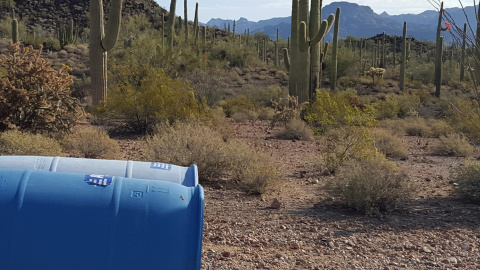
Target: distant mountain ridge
x,y
360,21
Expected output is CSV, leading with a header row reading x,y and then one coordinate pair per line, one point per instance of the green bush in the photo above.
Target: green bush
x,y
345,144
371,186
467,178
147,97
238,104
14,142
333,111
92,143
389,108
217,158
236,55
453,145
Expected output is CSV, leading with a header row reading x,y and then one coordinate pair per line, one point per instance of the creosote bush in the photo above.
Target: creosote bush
x,y
33,95
389,144
468,179
144,97
217,158
371,186
337,110
453,145
14,142
92,143
296,129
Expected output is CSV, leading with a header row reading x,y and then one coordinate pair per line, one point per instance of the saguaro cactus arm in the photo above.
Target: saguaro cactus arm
x,y
113,28
286,59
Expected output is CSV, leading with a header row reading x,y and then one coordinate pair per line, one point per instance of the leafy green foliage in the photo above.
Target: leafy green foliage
x,y
143,97
333,111
34,96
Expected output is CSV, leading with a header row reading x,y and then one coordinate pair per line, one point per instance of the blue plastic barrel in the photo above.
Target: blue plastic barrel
x,y
71,221
187,176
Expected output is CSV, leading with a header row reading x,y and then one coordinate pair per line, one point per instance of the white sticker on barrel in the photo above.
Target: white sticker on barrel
x,y
101,180
161,166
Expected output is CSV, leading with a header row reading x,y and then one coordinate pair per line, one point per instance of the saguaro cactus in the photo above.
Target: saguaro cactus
x,y
305,52
438,53
464,45
333,75
15,34
171,23
185,15
102,41
195,23
403,58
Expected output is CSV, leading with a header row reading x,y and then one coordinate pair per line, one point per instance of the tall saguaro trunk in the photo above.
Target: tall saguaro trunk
x,y
171,23
101,42
185,15
315,49
403,58
333,75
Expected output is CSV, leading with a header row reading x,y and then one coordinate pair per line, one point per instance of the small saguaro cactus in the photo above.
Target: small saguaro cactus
x,y
15,34
67,34
102,41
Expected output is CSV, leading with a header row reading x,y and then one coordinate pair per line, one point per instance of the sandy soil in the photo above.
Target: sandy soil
x,y
307,232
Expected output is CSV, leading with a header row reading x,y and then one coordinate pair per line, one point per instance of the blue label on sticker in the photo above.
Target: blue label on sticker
x,y
161,166
101,180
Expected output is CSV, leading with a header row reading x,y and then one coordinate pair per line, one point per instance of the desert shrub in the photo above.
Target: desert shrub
x,y
236,55
286,109
33,95
453,145
216,157
14,142
439,127
464,116
207,85
237,104
266,95
389,108
371,186
468,179
407,104
295,129
344,144
389,144
395,126
333,111
92,143
416,127
146,97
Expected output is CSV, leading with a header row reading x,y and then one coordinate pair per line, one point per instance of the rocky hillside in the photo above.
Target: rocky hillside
x,y
46,13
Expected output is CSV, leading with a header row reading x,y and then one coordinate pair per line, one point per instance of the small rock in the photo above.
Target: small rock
x,y
452,260
276,204
427,249
226,254
294,245
465,247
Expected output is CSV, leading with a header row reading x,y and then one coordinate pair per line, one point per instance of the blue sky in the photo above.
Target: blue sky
x,y
255,10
